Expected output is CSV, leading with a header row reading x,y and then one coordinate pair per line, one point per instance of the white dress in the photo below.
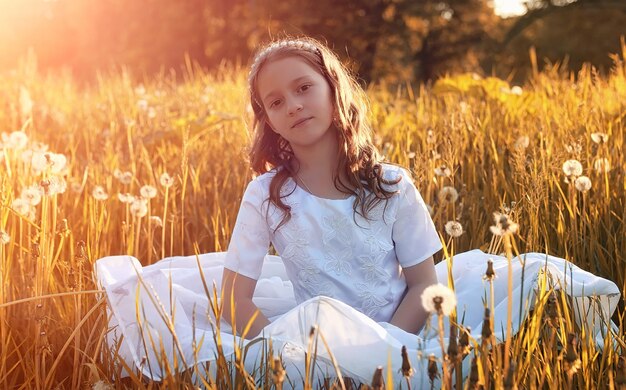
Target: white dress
x,y
336,270
329,250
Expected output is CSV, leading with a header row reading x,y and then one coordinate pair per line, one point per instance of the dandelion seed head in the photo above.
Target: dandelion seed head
x,y
439,299
602,165
166,180
4,237
448,194
56,162
152,113
522,142
76,187
443,171
504,225
125,177
99,193
21,207
156,220
148,192
139,208
125,198
27,156
38,162
411,155
599,137
142,104
454,229
517,90
57,185
16,140
583,183
32,194
572,168
53,185
140,89
496,231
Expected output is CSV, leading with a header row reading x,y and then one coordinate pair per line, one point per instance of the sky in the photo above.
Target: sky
x,y
506,8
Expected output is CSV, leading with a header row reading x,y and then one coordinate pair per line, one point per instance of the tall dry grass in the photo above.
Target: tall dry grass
x,y
499,148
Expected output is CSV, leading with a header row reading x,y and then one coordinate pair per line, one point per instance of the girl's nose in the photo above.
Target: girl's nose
x,y
294,107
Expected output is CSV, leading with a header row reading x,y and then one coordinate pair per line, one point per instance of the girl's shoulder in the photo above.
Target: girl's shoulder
x,y
396,173
261,183
265,177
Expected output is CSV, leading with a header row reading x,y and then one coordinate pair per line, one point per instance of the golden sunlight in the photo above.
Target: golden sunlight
x,y
508,8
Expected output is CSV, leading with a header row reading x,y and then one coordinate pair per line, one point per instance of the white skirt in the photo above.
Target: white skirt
x,y
165,316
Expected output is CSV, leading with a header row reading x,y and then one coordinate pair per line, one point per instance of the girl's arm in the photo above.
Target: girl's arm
x,y
410,315
237,292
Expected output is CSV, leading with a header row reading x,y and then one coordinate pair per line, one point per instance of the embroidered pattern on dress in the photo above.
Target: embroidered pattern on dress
x,y
339,261
371,302
353,262
337,239
309,278
336,226
379,239
297,241
308,274
321,288
310,283
371,267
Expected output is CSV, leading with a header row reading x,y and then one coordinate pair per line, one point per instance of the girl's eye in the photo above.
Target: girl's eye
x,y
304,87
274,103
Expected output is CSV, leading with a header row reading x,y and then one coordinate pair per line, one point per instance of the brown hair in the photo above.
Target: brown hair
x,y
359,160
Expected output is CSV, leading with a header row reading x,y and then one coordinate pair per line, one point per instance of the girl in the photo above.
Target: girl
x,y
342,221
355,242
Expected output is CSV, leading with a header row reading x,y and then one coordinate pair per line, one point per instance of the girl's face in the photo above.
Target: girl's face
x,y
297,100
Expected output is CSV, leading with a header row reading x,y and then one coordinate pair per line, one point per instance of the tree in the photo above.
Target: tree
x,y
566,32
414,39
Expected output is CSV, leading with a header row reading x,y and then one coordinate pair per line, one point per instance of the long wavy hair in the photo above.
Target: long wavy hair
x,y
359,160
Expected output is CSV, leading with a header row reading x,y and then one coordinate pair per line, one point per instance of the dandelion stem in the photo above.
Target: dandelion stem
x,y
24,300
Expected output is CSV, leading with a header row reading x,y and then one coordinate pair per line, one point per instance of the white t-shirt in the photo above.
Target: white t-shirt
x,y
328,250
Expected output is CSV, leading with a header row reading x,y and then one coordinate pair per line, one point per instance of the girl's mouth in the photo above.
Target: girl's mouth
x,y
300,122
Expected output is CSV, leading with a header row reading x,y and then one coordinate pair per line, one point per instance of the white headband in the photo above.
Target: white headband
x,y
301,45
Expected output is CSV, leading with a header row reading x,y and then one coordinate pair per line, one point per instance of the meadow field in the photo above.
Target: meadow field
x,y
157,167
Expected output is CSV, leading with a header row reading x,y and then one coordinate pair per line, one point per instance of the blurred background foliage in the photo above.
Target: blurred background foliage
x,y
391,41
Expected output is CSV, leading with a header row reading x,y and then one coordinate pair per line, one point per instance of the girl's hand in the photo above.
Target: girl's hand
x,y
410,315
237,306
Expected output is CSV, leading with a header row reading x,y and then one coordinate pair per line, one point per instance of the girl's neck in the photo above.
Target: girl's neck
x,y
319,159
316,169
